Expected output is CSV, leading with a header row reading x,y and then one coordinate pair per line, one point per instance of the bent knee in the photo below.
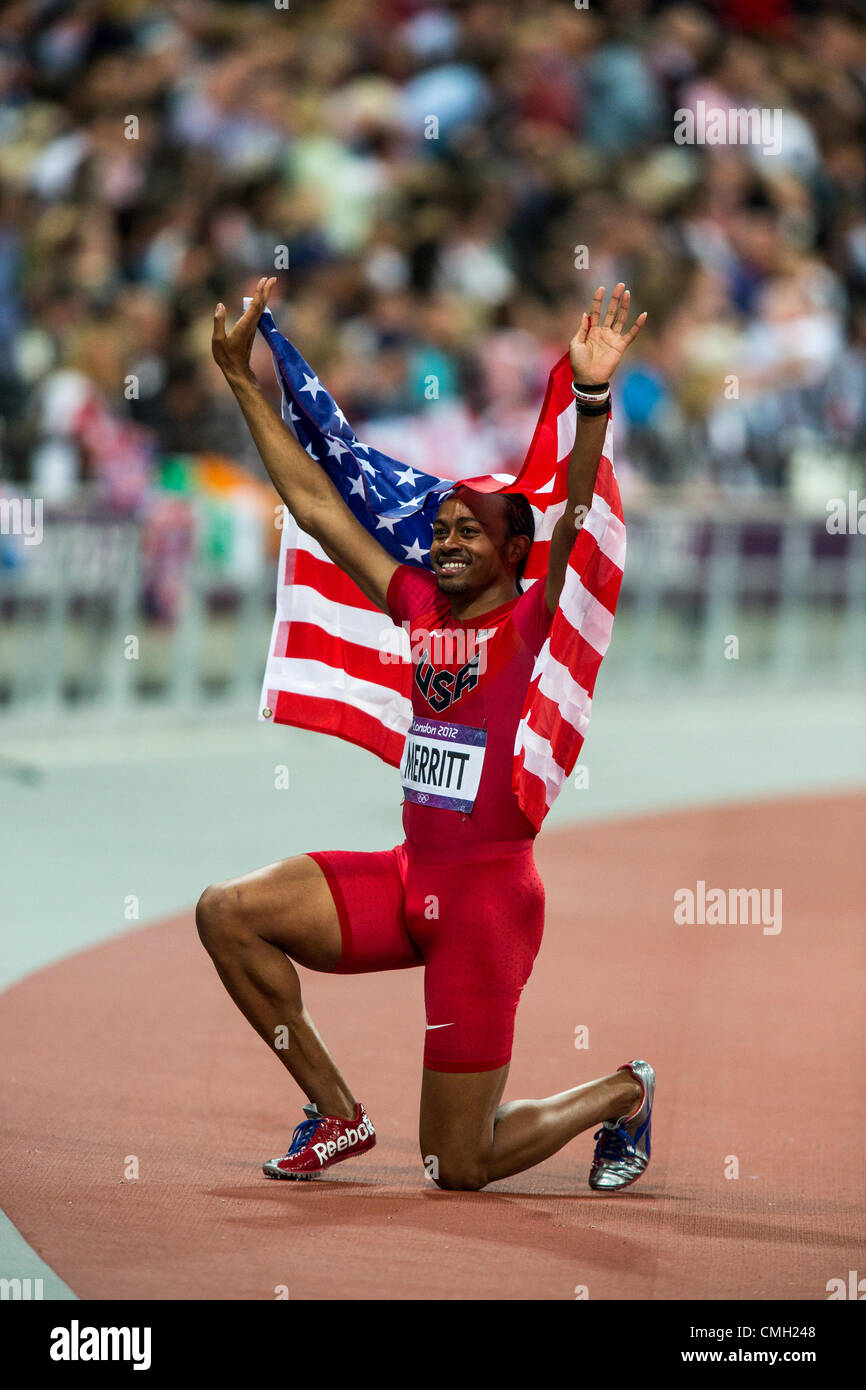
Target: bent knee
x,y
219,917
460,1176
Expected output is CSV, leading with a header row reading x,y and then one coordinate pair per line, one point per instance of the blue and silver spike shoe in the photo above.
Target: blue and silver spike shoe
x,y
622,1149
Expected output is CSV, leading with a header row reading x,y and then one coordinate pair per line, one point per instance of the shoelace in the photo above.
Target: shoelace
x,y
616,1144
302,1134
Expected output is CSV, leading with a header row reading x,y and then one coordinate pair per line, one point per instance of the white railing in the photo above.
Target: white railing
x,y
761,598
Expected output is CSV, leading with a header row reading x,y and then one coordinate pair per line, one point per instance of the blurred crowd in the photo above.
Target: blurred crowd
x,y
439,185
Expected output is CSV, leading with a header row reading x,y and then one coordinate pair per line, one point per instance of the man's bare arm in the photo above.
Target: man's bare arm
x,y
596,351
303,485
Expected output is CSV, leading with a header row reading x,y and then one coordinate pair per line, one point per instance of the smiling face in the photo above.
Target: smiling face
x,y
472,549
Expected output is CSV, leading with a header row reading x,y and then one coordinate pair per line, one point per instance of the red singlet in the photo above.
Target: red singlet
x,y
483,688
462,895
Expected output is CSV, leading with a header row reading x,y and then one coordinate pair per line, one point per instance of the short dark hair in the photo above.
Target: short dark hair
x,y
520,522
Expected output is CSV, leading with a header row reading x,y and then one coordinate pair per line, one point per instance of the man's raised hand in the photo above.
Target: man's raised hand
x,y
597,348
232,350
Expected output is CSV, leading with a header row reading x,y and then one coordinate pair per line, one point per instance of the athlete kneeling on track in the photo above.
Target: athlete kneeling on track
x,y
468,846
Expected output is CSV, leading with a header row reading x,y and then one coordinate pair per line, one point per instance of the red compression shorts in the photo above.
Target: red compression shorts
x,y
475,925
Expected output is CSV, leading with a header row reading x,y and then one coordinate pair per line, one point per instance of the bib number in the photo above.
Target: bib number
x,y
442,764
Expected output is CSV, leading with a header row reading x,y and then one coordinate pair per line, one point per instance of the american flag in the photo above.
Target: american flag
x,y
337,665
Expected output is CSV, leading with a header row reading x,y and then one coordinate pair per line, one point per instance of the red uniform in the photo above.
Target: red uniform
x,y
461,895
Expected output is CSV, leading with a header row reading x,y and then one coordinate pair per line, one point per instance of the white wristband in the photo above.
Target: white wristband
x,y
590,397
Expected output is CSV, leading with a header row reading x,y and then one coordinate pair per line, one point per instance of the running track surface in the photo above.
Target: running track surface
x,y
132,1048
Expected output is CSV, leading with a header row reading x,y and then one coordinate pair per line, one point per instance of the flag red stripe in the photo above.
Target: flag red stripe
x,y
308,642
531,791
335,717
545,719
327,578
605,486
544,445
598,574
573,651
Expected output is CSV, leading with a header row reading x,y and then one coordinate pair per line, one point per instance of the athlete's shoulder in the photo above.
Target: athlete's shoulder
x,y
532,617
414,592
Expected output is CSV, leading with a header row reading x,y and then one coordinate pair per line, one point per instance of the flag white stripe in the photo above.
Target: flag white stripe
x,y
591,619
538,758
608,531
301,676
559,686
358,625
302,540
566,431
600,522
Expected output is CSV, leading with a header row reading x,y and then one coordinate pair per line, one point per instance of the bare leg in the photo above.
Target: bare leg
x,y
250,926
476,1141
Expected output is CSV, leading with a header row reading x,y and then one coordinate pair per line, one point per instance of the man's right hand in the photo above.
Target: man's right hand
x,y
232,350
301,482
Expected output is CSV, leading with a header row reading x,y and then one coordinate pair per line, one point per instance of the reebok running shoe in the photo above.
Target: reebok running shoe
x,y
622,1149
321,1140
